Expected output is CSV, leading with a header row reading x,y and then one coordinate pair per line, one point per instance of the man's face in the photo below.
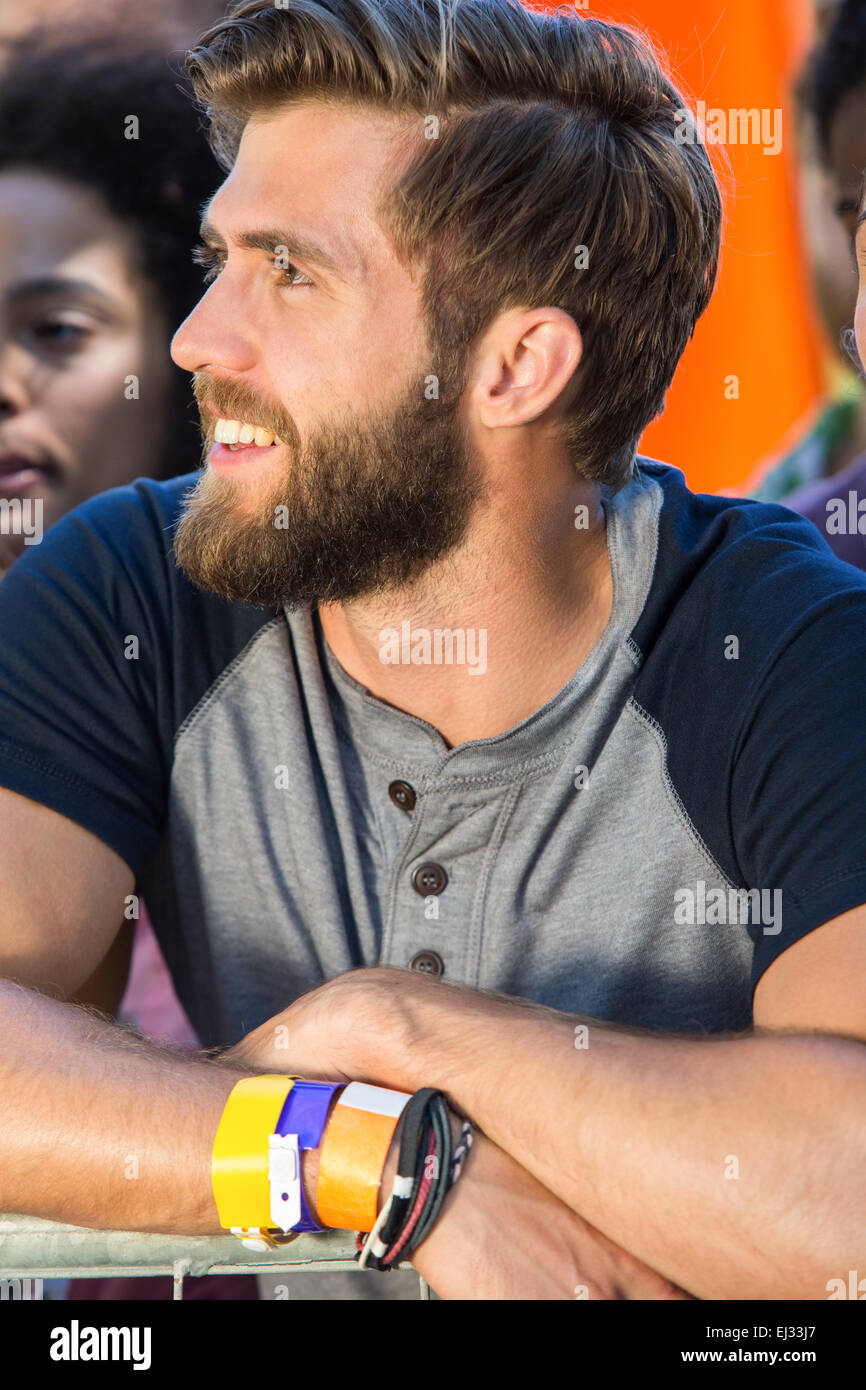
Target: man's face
x,y
312,330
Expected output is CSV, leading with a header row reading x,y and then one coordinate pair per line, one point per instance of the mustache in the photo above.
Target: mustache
x,y
235,402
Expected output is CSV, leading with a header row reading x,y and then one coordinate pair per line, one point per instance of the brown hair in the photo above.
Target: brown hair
x,y
554,133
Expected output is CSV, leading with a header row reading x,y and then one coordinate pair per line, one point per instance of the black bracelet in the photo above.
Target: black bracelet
x,y
426,1118
442,1121
431,1150
413,1148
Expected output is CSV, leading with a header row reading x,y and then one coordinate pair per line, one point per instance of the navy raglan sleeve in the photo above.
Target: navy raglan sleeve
x,y
798,785
82,649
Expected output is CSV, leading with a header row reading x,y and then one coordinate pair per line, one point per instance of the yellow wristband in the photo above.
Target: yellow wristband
x,y
239,1164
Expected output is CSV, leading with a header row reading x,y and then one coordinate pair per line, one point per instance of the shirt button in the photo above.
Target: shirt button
x,y
402,795
428,963
429,878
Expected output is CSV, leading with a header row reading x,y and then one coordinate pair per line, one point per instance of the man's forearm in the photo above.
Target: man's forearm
x,y
99,1128
736,1167
104,1129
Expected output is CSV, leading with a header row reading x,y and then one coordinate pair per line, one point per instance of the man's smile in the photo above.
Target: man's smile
x,y
237,441
241,432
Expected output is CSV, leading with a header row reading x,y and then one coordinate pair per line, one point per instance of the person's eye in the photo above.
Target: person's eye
x,y
213,262
60,333
289,271
846,211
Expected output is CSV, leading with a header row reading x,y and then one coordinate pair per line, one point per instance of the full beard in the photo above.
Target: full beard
x,y
359,508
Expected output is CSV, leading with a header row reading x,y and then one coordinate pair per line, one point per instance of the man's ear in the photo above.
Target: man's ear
x,y
524,363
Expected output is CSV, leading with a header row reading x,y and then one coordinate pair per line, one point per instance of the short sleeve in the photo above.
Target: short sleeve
x,y
81,653
798,786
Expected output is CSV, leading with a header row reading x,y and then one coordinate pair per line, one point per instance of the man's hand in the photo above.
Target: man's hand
x,y
366,1025
733,1165
501,1235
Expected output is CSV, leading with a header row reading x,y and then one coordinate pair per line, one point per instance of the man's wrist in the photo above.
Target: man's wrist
x,y
311,1158
390,1172
479,1048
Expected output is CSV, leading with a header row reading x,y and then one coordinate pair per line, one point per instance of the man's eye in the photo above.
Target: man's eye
x,y
214,261
211,260
288,272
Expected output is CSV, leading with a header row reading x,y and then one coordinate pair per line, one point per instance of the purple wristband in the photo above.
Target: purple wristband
x,y
304,1113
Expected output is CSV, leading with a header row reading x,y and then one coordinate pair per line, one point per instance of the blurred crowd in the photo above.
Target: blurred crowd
x,y
98,215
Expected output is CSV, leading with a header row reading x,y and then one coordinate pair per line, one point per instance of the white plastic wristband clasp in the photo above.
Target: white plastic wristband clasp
x,y
253,1238
284,1177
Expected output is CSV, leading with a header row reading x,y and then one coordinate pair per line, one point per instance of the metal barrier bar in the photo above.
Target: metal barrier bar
x,y
31,1247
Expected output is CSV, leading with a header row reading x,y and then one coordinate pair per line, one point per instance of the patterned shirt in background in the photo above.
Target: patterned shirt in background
x,y
833,506
812,457
807,479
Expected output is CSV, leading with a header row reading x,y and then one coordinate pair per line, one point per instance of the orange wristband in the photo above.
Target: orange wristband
x,y
353,1155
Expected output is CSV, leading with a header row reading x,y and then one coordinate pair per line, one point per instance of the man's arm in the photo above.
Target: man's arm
x,y
62,903
83,1105
101,1128
107,985
736,1166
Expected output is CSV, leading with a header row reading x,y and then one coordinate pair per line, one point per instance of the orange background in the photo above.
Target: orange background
x,y
761,325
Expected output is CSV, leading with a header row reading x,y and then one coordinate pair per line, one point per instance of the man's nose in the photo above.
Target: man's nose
x,y
213,337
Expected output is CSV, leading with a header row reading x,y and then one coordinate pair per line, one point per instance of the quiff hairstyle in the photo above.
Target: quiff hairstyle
x,y
555,132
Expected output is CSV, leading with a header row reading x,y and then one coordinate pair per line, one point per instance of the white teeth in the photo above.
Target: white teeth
x,y
227,431
242,432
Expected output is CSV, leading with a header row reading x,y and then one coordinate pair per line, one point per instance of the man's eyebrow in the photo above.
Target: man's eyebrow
x,y
269,238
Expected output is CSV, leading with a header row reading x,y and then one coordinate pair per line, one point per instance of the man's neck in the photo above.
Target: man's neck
x,y
517,608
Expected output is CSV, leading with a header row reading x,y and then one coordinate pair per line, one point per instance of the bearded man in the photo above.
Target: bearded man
x,y
457,255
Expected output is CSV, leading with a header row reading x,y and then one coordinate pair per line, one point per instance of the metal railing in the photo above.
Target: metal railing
x,y
32,1248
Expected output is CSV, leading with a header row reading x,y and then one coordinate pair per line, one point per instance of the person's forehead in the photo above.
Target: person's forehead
x,y
52,226
319,170
848,138
53,210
